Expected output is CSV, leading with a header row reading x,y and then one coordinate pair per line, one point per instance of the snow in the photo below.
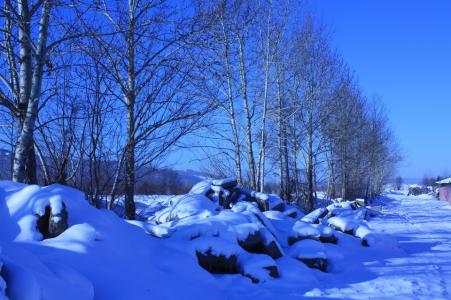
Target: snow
x,y
305,230
100,256
202,187
315,215
188,205
444,181
308,249
254,194
2,282
227,182
216,246
412,262
275,202
324,231
344,224
255,266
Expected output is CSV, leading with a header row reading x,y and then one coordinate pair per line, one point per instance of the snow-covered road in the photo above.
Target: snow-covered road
x,y
422,267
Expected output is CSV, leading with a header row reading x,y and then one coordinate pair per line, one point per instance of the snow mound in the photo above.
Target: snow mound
x,y
346,225
241,236
201,188
85,260
245,239
189,205
308,249
315,215
310,252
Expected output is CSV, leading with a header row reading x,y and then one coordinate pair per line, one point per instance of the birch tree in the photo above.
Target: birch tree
x,y
28,24
145,46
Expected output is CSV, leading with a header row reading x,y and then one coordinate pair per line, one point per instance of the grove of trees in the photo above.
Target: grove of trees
x,y
95,93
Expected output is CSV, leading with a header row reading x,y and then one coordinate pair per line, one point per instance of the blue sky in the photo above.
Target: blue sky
x,y
401,51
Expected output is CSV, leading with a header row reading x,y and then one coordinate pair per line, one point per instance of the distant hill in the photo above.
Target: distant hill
x,y
167,181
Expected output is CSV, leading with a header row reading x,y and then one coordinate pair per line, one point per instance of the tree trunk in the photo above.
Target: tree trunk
x,y
284,171
310,197
249,142
280,144
294,153
343,182
24,166
233,122
262,154
331,178
288,184
129,187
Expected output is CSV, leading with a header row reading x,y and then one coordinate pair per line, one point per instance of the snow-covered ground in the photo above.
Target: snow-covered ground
x,y
422,270
101,256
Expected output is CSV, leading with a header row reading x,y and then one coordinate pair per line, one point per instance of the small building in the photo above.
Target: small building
x,y
444,190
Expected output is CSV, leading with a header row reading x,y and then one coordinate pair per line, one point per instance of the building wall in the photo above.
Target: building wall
x,y
445,193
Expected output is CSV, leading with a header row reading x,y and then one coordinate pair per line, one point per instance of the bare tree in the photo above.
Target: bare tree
x,y
145,45
26,67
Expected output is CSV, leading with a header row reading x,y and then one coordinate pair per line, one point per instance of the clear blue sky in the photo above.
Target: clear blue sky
x,y
401,51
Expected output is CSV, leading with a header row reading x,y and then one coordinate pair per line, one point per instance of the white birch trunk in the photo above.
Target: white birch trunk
x,y
25,143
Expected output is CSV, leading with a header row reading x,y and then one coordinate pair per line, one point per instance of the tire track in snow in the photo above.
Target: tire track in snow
x,y
406,213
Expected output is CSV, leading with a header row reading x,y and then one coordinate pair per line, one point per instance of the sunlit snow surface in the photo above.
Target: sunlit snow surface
x,y
101,256
422,226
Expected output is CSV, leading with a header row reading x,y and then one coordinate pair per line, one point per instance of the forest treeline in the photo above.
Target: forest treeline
x,y
94,94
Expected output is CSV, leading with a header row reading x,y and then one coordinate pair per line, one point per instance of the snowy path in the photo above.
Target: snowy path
x,y
421,270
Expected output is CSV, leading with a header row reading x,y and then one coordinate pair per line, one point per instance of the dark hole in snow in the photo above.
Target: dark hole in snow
x,y
350,231
235,195
273,250
273,272
218,263
279,207
330,214
322,215
51,225
2,280
195,236
43,222
262,205
315,263
292,214
328,239
255,243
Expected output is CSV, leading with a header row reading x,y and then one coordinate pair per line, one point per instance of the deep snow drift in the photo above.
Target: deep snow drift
x,y
175,253
99,254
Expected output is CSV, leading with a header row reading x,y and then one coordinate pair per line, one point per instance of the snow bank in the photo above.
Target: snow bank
x,y
188,247
99,256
